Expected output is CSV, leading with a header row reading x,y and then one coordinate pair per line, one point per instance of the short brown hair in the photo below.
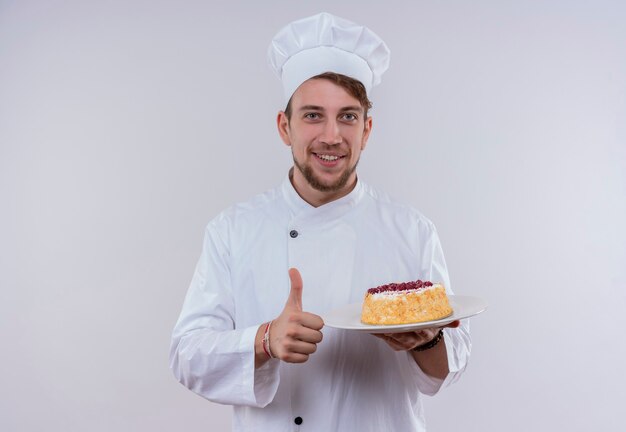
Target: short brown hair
x,y
354,88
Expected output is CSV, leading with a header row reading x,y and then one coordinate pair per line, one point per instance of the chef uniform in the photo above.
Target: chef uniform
x,y
354,381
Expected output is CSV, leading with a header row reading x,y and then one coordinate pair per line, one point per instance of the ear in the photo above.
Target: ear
x,y
282,122
366,132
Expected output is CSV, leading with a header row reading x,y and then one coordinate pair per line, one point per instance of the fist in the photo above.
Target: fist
x,y
295,334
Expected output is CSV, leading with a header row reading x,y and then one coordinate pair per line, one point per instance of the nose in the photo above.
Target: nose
x,y
330,133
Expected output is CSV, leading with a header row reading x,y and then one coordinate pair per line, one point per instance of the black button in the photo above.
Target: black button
x,y
298,421
293,234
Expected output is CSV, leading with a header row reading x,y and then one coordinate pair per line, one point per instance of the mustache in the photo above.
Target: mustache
x,y
332,150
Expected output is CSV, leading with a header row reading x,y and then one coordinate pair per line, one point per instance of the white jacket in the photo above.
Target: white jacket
x,y
354,381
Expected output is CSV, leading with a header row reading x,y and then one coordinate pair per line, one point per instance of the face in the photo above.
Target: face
x,y
326,133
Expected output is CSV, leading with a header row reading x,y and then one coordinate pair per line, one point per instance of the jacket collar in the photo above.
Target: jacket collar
x,y
301,209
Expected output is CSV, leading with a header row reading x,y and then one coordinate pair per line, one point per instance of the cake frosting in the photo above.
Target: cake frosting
x,y
405,303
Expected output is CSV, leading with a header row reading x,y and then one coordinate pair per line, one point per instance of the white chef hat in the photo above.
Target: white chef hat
x,y
326,43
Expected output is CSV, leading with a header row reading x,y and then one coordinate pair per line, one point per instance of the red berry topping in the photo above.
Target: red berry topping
x,y
403,286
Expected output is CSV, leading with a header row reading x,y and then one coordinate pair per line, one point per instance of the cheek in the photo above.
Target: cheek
x,y
356,138
358,147
298,149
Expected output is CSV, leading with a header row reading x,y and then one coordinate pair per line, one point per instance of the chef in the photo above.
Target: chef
x,y
251,332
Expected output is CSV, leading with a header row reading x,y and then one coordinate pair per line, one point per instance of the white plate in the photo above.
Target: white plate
x,y
349,317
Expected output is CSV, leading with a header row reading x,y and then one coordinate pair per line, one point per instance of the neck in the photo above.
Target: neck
x,y
315,197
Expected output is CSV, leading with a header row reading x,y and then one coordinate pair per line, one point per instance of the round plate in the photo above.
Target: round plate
x,y
349,317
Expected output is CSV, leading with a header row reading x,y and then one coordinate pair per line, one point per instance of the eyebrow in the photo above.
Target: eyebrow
x,y
319,108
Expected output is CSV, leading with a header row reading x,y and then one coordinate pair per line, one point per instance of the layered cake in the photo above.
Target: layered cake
x,y
405,303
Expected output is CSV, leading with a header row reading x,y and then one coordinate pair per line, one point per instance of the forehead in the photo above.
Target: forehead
x,y
323,93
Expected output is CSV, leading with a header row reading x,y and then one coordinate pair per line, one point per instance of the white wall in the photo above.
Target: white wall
x,y
125,126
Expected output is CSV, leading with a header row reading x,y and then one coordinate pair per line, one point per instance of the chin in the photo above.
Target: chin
x,y
322,184
330,185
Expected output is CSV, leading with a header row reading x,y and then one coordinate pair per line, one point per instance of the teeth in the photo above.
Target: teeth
x,y
328,158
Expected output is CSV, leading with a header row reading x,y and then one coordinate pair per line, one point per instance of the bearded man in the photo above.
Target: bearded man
x,y
251,332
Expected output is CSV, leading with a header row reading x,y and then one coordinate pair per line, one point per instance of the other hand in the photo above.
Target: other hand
x,y
294,335
409,340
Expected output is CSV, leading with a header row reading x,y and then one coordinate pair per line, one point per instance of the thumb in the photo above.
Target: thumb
x,y
453,324
295,294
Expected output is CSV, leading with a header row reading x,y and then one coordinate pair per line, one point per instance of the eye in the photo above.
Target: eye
x,y
312,116
349,117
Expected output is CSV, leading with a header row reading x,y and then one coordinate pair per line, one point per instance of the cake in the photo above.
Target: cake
x,y
405,303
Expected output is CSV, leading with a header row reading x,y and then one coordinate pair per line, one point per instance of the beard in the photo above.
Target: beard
x,y
317,184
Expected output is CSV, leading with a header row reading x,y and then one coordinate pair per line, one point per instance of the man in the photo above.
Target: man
x,y
251,331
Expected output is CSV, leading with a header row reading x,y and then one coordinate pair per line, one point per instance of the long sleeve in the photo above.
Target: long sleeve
x,y
209,354
458,341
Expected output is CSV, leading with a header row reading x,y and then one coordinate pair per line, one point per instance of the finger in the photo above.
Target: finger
x,y
295,293
403,341
306,335
386,336
453,324
411,339
311,321
294,358
397,346
407,339
293,346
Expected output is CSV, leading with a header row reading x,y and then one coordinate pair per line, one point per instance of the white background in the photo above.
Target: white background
x,y
125,126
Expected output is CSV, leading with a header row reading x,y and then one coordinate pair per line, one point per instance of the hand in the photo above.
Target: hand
x,y
409,340
294,335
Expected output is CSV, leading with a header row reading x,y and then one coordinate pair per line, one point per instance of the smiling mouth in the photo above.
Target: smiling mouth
x,y
327,157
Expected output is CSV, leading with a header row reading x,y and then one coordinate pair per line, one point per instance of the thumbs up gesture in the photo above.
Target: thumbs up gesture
x,y
295,333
